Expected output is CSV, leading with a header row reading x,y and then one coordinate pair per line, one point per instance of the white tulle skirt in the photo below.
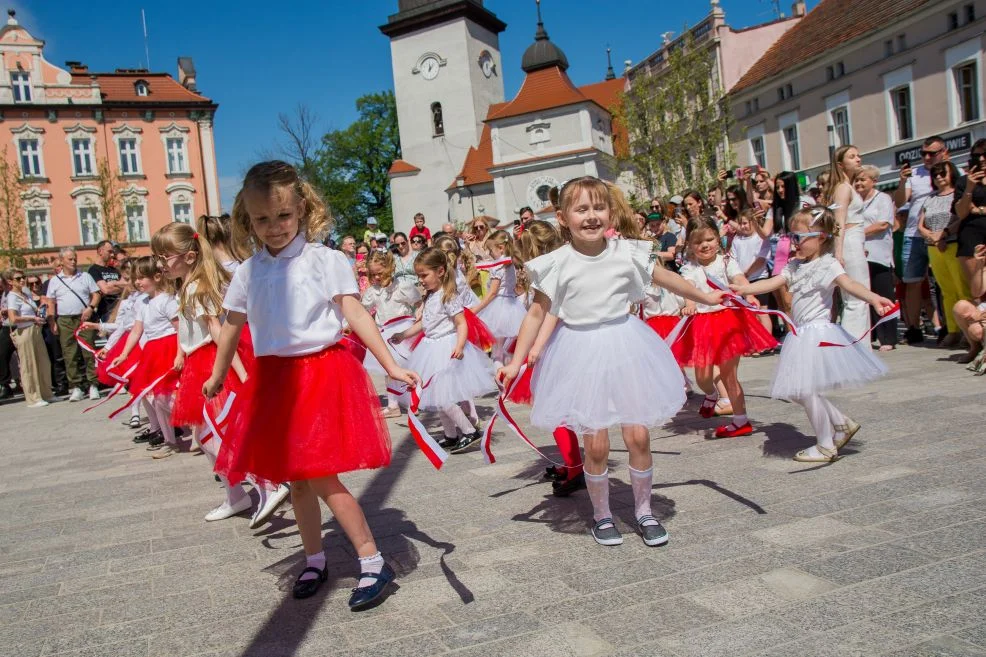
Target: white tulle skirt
x,y
591,378
401,351
452,380
503,316
806,369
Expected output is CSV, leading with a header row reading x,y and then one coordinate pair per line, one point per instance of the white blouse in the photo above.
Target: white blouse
x,y
588,290
193,326
24,305
507,276
126,315
436,319
290,299
660,302
157,314
466,297
721,269
396,300
812,286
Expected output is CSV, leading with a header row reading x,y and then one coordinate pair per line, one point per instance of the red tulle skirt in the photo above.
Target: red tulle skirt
x,y
305,417
103,366
521,393
479,333
157,359
716,337
663,324
189,400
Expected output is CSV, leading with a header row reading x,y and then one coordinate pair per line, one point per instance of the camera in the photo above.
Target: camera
x,y
395,249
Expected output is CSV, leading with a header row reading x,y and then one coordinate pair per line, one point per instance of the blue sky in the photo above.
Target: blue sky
x,y
257,59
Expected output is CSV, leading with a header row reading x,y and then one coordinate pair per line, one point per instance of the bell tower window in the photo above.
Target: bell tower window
x,y
437,121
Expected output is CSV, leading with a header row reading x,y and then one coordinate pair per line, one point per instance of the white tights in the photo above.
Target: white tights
x,y
453,418
160,407
211,450
824,417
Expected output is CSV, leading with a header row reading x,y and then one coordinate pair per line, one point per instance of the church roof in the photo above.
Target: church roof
x,y
479,160
543,89
402,166
542,53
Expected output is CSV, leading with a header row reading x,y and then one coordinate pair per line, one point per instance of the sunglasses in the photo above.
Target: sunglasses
x,y
925,153
417,241
34,282
17,278
797,238
401,243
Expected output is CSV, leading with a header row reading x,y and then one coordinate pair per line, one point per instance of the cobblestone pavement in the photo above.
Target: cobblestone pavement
x,y
103,551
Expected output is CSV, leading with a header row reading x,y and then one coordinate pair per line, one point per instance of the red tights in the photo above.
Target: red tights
x,y
568,446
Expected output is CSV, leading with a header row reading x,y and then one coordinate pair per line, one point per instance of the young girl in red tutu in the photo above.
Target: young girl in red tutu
x,y
453,369
717,336
310,411
155,330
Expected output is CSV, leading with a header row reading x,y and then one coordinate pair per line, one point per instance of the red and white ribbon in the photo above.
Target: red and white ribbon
x,y
216,427
432,450
731,298
143,393
121,383
85,346
496,263
893,313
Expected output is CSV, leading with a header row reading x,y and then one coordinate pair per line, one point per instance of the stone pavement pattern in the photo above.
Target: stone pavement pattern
x,y
103,551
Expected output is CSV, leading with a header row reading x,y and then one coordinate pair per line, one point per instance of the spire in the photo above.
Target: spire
x,y
610,75
542,53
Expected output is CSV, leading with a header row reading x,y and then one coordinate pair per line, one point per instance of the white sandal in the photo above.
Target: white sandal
x,y
826,455
848,430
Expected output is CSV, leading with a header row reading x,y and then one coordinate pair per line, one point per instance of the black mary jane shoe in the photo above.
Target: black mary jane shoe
x,y
566,488
551,473
365,597
306,588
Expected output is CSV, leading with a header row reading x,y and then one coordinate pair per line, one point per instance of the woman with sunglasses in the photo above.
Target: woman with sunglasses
x,y
24,315
417,244
479,230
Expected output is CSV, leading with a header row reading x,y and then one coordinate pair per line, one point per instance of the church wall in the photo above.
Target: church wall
x,y
602,129
464,204
516,190
511,138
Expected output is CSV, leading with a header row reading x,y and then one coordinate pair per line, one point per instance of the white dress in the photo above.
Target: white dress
x,y
602,366
856,312
504,314
805,368
447,380
394,312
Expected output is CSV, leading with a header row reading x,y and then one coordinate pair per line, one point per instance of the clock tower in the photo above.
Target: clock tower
x,y
445,56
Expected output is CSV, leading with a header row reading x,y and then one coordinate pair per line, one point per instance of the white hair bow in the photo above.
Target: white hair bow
x,y
818,211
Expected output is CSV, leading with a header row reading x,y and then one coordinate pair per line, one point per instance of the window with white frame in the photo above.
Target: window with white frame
x,y
20,83
791,145
30,157
968,92
759,155
82,158
177,161
900,98
90,227
136,222
182,212
840,122
141,88
964,83
129,162
39,229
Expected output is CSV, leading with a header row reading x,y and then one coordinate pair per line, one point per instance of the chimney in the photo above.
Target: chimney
x,y
186,73
77,67
798,9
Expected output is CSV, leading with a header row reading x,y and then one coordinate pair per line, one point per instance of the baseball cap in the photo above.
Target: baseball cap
x,y
655,216
371,221
676,199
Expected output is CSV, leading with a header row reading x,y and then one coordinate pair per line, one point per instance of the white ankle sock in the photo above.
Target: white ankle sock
x,y
314,561
739,420
598,487
371,564
641,481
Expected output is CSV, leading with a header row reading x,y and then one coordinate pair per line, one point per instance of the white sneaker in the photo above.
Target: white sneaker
x,y
267,509
93,392
227,510
38,404
77,395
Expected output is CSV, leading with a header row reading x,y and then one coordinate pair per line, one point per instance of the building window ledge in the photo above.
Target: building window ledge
x,y
178,176
85,178
132,176
35,180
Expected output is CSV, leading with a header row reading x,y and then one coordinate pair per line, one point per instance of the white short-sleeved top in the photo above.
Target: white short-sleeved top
x,y
396,300
71,294
436,318
721,269
24,305
812,285
289,299
231,266
744,252
660,302
921,188
466,297
880,246
157,314
586,290
126,315
193,326
507,276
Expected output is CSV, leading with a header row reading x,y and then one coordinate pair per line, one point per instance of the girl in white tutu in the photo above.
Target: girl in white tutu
x,y
501,309
392,303
452,369
602,366
807,368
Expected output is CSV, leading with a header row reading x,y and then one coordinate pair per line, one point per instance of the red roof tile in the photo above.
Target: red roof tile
x,y
121,87
608,93
830,24
402,166
476,167
544,89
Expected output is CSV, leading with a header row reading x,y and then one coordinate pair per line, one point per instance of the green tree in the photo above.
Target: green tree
x,y
110,203
13,228
677,119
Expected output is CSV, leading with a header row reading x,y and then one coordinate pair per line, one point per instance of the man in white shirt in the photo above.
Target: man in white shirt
x,y
74,297
914,188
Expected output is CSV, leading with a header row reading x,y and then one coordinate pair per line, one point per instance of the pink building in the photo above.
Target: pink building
x,y
136,142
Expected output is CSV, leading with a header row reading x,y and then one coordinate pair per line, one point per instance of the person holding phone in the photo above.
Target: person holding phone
x,y
970,208
915,188
362,275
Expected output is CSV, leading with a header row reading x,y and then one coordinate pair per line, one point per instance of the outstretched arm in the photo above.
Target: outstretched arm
x,y
760,287
675,283
860,291
363,325
529,329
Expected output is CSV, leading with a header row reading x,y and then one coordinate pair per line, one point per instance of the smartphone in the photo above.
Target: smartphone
x,y
360,257
730,174
395,249
516,222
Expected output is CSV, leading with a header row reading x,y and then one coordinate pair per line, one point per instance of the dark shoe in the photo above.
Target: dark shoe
x,y
554,474
653,534
5,392
367,596
566,488
466,442
156,441
914,335
606,533
448,443
306,588
147,435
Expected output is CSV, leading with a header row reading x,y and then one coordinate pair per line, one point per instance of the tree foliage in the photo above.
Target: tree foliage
x,y
677,118
110,203
13,228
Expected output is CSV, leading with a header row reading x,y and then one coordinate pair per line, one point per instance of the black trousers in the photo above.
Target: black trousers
x,y
882,283
59,377
7,351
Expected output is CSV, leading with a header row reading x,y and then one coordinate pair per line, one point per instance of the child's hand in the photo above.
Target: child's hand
x,y
101,354
715,297
396,338
980,252
882,306
89,326
507,374
533,355
689,309
409,377
117,362
211,387
179,361
457,353
752,300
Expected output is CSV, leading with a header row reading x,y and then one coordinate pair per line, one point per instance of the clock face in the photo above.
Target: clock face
x,y
486,64
537,191
429,68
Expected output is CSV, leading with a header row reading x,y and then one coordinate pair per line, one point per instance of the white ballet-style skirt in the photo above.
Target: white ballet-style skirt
x,y
805,369
591,378
451,380
401,351
503,316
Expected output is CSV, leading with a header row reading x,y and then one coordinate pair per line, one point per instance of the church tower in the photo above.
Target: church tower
x,y
445,56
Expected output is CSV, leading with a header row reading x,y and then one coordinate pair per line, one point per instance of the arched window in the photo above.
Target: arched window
x,y
437,122
141,88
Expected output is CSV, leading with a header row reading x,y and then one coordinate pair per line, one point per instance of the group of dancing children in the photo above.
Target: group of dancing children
x,y
271,344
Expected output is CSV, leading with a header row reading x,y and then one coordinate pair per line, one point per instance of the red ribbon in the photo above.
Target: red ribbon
x,y
216,427
496,263
143,393
432,450
82,343
121,383
731,298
